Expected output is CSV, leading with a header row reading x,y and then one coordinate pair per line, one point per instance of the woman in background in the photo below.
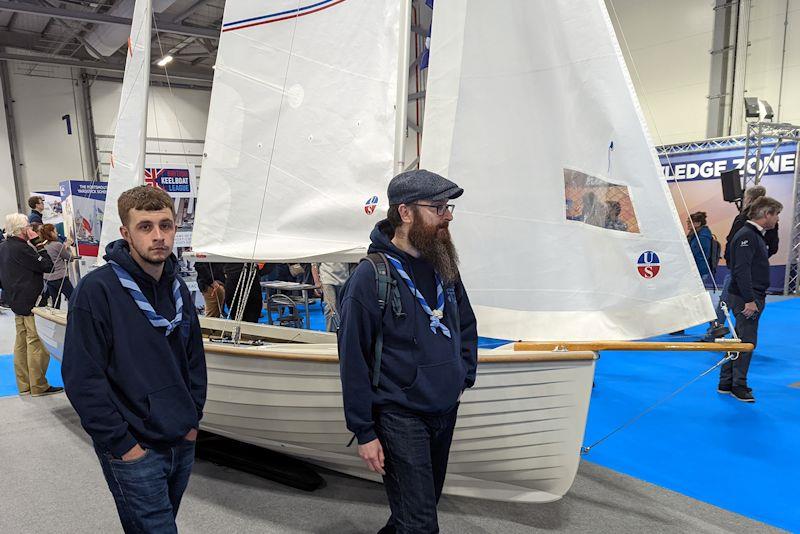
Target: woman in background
x,y
57,280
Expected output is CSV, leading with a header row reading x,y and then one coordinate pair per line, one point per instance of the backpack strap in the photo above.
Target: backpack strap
x,y
388,292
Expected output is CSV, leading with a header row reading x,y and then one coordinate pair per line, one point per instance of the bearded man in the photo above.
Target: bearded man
x,y
134,367
403,410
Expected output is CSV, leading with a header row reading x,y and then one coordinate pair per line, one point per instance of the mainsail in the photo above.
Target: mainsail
x,y
530,108
300,138
127,157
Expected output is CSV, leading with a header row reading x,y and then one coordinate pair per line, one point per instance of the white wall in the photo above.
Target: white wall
x,y
666,46
764,57
42,95
8,195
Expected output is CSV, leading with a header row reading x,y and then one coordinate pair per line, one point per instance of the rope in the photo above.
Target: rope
x,y
731,356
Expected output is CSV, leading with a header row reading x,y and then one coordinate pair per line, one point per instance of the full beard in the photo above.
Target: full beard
x,y
435,245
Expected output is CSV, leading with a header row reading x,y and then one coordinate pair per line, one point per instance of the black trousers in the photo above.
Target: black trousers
x,y
734,373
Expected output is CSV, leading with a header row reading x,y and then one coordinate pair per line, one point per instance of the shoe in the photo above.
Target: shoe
x,y
49,391
717,331
743,394
724,389
24,393
677,333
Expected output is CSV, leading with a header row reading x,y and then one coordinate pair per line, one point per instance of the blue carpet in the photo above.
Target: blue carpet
x,y
702,444
8,384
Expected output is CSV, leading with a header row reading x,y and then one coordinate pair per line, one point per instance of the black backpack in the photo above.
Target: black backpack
x,y
716,254
387,292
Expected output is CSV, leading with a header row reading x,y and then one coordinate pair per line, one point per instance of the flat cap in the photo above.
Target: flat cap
x,y
410,186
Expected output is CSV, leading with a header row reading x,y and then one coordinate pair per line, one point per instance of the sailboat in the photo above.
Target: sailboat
x,y
538,122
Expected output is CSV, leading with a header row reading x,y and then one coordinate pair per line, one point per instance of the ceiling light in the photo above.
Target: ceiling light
x,y
164,61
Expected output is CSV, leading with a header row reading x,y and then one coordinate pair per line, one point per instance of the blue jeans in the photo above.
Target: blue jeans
x,y
148,490
416,448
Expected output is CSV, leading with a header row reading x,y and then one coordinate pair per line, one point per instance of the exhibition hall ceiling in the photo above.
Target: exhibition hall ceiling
x,y
92,34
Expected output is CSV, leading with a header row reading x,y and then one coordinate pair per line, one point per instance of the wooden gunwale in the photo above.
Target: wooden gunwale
x,y
723,346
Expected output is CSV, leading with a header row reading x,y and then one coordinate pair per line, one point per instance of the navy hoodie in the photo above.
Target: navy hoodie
x,y
128,381
749,264
421,372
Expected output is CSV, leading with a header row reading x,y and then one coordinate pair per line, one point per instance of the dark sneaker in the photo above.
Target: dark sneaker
x,y
717,331
743,394
52,390
724,389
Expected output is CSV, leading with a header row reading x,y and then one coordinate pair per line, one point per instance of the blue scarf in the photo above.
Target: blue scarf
x,y
435,315
141,301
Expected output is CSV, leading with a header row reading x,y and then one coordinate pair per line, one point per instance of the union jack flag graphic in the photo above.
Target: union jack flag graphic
x,y
152,177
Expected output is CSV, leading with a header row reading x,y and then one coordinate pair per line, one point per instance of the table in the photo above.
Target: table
x,y
278,287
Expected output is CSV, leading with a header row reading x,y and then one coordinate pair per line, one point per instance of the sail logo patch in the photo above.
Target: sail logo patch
x,y
370,205
648,264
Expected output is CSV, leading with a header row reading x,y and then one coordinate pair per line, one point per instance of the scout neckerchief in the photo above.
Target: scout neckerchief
x,y
138,297
434,315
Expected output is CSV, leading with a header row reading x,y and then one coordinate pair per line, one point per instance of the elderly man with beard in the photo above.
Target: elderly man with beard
x,y
403,410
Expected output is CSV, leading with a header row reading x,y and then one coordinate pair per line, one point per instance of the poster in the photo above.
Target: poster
x,y
53,211
180,183
82,209
694,176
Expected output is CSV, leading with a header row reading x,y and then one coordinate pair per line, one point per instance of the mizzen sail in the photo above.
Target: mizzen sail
x,y
300,138
127,157
531,109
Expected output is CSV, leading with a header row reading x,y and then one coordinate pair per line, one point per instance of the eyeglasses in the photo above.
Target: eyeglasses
x,y
440,209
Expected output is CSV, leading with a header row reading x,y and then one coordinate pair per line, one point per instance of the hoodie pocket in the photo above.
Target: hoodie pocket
x,y
437,386
172,413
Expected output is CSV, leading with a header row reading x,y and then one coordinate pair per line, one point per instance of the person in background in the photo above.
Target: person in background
x,y
700,237
36,203
211,282
770,236
331,277
23,261
613,222
748,290
403,410
253,301
58,282
134,365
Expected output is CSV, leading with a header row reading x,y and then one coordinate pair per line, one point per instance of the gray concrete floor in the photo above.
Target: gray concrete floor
x,y
51,482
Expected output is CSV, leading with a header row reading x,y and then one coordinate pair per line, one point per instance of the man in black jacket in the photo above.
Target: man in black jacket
x,y
211,282
748,290
134,366
21,268
403,410
718,328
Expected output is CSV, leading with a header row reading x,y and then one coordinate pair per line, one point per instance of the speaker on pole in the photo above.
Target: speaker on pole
x,y
731,185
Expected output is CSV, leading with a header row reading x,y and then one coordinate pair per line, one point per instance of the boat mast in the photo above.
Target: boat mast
x,y
401,106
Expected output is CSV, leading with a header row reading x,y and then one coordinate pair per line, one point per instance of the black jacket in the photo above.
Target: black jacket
x,y
770,237
208,273
35,217
749,264
21,270
128,381
421,372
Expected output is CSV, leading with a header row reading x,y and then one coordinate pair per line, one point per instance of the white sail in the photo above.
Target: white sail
x,y
523,104
127,157
300,138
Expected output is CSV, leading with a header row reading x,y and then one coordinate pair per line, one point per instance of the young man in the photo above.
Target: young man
x,y
22,265
36,204
749,256
403,410
134,366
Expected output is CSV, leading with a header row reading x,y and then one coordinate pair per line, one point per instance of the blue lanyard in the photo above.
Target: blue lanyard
x,y
435,315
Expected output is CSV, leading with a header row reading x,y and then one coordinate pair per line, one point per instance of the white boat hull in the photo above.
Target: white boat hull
x,y
518,434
